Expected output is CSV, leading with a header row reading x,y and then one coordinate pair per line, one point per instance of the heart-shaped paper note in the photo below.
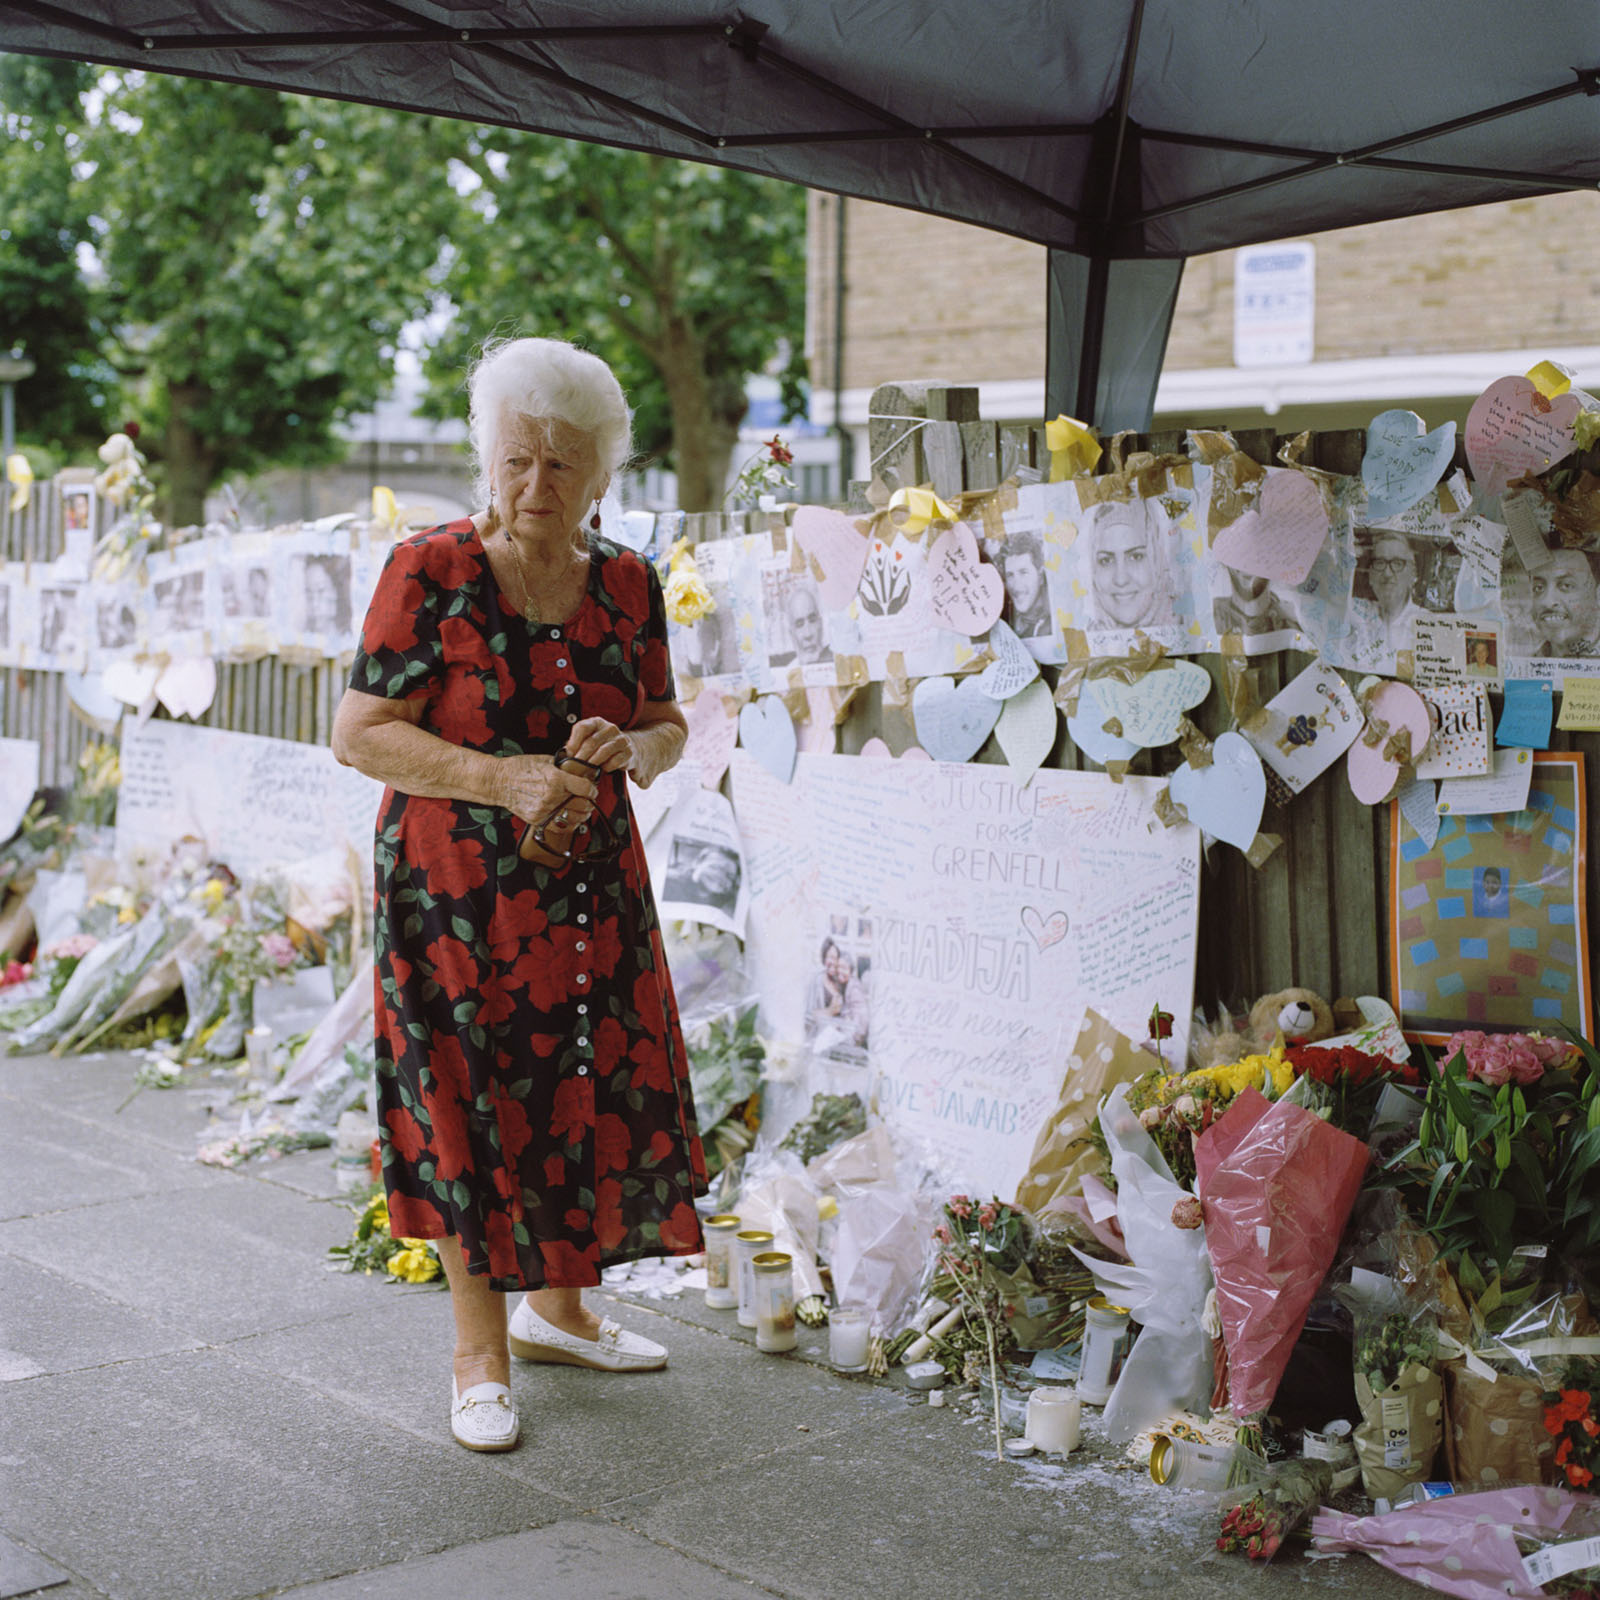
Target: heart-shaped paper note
x,y
1012,669
1403,460
1044,931
818,734
132,682
1027,729
1279,538
1226,798
952,719
713,732
1513,429
188,686
1149,709
876,750
1087,727
767,732
835,552
964,594
1374,769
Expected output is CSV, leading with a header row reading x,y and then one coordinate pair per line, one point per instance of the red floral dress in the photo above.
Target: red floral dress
x,y
533,1088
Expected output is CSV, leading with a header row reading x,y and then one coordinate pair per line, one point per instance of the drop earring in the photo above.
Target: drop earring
x,y
594,521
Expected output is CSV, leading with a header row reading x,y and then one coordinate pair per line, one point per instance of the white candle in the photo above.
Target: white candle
x,y
1054,1418
849,1337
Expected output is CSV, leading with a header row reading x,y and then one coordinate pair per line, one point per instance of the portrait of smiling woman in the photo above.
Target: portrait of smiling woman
x,y
512,679
1128,571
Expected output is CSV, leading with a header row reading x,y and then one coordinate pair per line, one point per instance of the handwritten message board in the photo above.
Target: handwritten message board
x,y
255,802
966,922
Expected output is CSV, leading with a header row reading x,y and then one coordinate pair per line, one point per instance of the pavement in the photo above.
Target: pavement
x,y
193,1408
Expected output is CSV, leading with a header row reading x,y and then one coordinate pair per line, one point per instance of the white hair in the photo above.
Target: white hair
x,y
551,381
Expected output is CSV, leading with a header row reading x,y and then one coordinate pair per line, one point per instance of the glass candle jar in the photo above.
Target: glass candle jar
x,y
1106,1341
1054,1418
747,1244
849,1338
722,1289
773,1274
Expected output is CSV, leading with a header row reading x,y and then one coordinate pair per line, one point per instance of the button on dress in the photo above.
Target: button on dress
x,y
533,1087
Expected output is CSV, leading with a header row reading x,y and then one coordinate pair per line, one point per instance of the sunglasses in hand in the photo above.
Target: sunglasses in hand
x,y
593,839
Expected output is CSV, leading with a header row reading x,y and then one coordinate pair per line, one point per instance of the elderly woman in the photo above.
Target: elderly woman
x,y
533,1087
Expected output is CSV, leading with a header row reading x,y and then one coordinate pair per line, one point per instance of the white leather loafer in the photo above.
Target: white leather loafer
x,y
483,1418
533,1339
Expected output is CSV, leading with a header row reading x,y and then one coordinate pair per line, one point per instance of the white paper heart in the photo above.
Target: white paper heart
x,y
952,719
713,732
877,750
1149,709
818,734
1087,727
101,708
132,682
964,594
1027,729
767,731
1280,538
1226,798
1371,773
835,550
188,686
1513,429
1012,669
1044,931
1403,460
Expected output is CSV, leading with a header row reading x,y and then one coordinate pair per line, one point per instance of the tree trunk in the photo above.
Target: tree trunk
x,y
190,462
702,436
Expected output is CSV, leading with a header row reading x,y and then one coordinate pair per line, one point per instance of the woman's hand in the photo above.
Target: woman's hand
x,y
602,744
532,788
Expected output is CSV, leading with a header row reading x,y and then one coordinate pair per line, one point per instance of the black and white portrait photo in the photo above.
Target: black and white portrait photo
x,y
703,874
797,634
1021,562
319,595
247,593
58,621
180,603
116,627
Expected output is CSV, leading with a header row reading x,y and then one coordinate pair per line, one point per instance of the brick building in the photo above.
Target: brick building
x,y
1423,312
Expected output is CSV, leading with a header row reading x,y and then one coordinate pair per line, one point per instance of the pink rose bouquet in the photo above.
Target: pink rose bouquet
x,y
1496,1058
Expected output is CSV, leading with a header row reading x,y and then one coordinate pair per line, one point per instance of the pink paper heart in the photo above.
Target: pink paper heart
x,y
835,550
1371,773
1513,429
1280,538
964,594
1044,931
877,750
713,732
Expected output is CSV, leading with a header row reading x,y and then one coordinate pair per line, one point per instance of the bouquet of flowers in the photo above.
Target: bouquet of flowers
x,y
1344,1084
764,473
124,483
1570,1419
372,1248
1259,1523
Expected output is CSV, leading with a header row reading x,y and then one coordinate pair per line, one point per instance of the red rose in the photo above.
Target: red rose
x,y
517,917
609,1228
587,629
555,1171
606,946
497,1006
647,1001
445,558
502,1246
601,700
653,673
400,970
458,715
452,866
512,1116
550,967
464,644
613,1144
610,1041
576,1221
680,1232
543,669
404,1134
567,1267
454,970
572,1110
625,581
411,1217
661,1144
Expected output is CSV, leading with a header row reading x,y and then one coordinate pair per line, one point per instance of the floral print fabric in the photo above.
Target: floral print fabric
x,y
533,1088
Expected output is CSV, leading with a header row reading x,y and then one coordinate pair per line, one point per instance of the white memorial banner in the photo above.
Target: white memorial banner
x,y
950,926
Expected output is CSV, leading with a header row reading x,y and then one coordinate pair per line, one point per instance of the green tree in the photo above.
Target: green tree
x,y
686,278
262,253
47,307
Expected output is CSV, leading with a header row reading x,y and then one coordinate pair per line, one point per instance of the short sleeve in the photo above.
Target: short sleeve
x,y
655,664
401,654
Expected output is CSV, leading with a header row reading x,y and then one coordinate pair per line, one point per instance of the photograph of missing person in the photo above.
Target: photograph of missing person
x,y
116,627
1020,560
1130,573
58,622
711,643
77,507
1491,892
796,632
247,593
1483,655
702,874
1384,591
838,1001
1250,606
180,603
1564,602
321,595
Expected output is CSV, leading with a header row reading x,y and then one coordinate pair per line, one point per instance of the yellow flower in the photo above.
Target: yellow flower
x,y
416,1263
377,1212
686,596
213,892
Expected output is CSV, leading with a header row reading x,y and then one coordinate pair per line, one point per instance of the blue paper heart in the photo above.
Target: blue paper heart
x,y
953,719
1087,727
766,730
1403,462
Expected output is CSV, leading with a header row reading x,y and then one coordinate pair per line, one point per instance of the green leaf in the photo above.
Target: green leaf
x,y
462,1195
462,929
465,1010
425,1171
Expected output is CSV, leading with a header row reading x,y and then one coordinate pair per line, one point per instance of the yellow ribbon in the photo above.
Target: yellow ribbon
x,y
1550,378
385,509
1073,448
917,508
20,476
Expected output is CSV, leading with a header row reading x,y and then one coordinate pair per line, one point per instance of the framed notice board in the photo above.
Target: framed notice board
x,y
1488,927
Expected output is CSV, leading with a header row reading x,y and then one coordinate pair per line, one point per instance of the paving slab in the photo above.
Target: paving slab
x,y
97,1088
51,1324
578,1559
219,1261
588,1437
23,1572
191,1477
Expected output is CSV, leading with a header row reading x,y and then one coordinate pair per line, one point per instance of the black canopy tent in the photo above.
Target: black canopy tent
x,y
1125,135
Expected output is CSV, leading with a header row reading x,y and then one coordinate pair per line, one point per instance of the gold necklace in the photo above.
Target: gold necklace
x,y
530,609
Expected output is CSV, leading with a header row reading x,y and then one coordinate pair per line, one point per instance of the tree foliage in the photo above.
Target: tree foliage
x,y
262,253
686,278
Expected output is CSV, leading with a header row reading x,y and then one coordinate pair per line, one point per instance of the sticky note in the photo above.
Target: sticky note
x,y
1564,817
1410,849
1422,954
1557,841
1478,825
1411,927
1451,908
1451,983
1413,999
1562,914
1580,705
1530,894
1430,869
1546,1008
1527,966
1416,895
1525,716
1499,983
1456,848
1447,827
1560,950
1523,938
1474,949
1517,841
1477,1007
1551,979
1458,877
1541,800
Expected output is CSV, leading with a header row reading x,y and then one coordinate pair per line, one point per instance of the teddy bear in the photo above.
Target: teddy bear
x,y
1300,1015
